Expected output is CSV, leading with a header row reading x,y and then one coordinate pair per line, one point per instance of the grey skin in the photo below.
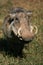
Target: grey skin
x,y
18,22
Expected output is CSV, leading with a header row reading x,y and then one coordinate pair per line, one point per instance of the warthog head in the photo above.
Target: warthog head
x,y
18,22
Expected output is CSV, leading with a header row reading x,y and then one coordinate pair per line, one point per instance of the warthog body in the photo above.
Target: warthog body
x,y
18,22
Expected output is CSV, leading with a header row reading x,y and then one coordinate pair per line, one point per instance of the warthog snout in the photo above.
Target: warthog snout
x,y
27,34
18,22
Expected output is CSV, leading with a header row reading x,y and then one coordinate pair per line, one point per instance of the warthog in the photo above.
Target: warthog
x,y
17,21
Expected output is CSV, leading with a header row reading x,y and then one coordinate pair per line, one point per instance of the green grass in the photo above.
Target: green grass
x,y
34,50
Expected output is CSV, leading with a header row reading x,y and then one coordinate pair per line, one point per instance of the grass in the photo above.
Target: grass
x,y
33,52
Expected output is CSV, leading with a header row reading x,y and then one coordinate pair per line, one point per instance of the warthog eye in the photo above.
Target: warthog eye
x,y
17,20
10,20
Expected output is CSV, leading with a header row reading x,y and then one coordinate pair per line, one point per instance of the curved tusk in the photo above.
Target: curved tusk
x,y
11,25
19,31
32,27
19,34
36,29
14,30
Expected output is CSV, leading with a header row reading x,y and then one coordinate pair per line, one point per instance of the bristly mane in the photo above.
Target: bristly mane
x,y
17,10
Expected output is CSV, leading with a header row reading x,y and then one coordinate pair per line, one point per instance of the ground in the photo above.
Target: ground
x,y
34,50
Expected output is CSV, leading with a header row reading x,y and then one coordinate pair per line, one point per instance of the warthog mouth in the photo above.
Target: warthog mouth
x,y
31,31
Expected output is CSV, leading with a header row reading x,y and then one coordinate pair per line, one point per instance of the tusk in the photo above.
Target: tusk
x,y
11,24
11,27
36,29
19,34
14,30
19,31
32,27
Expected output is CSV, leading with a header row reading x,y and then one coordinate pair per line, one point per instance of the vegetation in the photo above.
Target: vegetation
x,y
33,51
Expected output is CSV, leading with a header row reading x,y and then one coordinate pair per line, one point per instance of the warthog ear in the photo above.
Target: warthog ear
x,y
29,13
